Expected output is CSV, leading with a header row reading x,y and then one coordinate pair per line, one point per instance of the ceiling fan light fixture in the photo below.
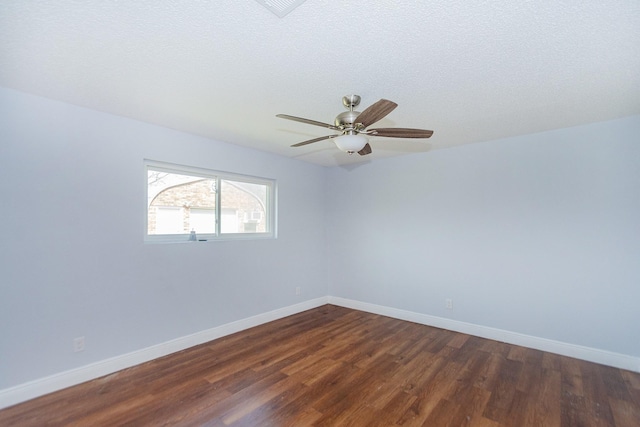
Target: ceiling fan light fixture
x,y
351,143
353,125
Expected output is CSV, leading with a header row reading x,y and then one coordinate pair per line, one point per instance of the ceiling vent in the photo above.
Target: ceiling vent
x,y
281,7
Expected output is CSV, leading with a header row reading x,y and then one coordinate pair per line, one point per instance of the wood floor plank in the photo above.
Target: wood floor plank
x,y
429,393
503,391
472,405
390,412
333,366
445,413
463,391
543,403
625,413
596,399
632,380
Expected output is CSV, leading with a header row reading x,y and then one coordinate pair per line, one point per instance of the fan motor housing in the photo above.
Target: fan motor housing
x,y
346,119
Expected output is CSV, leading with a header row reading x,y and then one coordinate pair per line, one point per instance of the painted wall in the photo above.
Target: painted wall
x,y
538,234
72,258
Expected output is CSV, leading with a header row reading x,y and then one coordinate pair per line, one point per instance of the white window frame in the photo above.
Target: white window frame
x,y
219,176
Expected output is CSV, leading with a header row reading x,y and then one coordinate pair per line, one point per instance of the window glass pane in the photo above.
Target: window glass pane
x,y
180,203
202,220
229,221
244,207
215,205
169,220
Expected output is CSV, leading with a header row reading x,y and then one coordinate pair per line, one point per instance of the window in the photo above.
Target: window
x,y
211,204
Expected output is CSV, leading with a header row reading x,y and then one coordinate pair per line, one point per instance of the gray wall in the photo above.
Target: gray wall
x,y
538,234
72,258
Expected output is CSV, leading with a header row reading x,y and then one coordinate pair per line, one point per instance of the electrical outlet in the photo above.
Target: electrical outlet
x,y
78,344
448,303
298,290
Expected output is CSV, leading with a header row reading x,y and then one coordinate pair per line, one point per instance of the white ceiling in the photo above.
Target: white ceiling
x,y
470,71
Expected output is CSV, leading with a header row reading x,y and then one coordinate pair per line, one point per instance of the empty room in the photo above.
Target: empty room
x,y
319,213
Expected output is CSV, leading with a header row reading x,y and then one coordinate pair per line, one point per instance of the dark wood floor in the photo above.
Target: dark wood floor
x,y
333,366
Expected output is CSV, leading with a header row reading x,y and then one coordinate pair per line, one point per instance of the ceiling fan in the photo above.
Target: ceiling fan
x,y
352,126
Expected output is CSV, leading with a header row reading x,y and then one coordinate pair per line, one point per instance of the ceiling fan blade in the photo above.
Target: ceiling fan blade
x,y
366,150
375,112
307,121
311,141
401,132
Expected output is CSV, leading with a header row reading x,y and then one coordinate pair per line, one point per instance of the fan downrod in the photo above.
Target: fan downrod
x,y
351,101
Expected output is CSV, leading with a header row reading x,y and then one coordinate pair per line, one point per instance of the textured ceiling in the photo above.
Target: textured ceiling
x,y
470,71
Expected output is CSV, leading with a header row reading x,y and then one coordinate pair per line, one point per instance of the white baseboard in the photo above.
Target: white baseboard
x,y
595,355
42,386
